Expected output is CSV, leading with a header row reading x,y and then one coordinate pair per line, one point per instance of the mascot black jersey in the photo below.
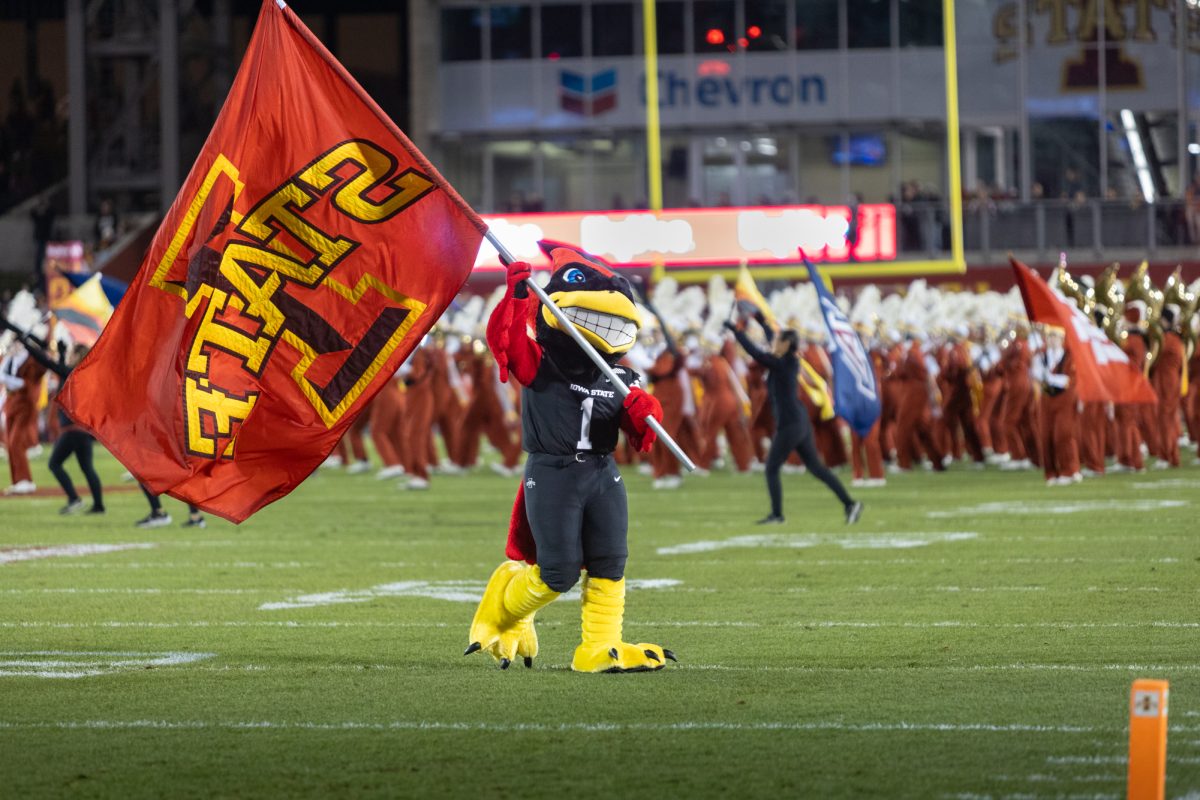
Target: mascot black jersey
x,y
571,514
563,414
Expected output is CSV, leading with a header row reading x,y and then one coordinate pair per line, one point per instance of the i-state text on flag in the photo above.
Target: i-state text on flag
x,y
1103,373
855,392
310,249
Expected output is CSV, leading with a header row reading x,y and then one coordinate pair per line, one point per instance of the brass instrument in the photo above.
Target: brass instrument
x,y
1070,287
1110,294
1141,289
1175,292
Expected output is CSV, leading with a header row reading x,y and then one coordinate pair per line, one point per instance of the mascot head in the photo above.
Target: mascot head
x,y
597,301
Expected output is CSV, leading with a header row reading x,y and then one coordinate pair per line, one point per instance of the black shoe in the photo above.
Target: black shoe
x,y
195,522
770,519
158,520
94,510
72,507
853,512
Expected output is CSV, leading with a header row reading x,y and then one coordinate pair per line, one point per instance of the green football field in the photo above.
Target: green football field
x,y
976,635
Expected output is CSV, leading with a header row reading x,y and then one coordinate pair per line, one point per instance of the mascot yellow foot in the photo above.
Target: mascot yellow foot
x,y
602,649
503,624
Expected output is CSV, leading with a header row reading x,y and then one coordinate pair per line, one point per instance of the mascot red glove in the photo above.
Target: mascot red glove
x,y
640,404
507,329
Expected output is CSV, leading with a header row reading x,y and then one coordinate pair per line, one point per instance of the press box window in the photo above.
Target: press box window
x,y
870,23
766,26
612,29
512,35
669,19
713,23
921,23
462,34
816,25
562,32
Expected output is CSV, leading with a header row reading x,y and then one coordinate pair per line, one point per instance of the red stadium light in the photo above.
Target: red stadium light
x,y
743,42
754,31
715,36
552,56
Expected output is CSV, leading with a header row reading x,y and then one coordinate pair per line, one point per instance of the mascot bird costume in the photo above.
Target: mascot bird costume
x,y
570,513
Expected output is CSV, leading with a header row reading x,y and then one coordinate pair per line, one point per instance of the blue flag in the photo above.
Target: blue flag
x,y
855,393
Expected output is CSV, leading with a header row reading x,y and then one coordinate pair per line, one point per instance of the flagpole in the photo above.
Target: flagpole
x,y
567,326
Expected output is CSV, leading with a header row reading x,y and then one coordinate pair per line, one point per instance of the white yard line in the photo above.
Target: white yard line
x,y
1027,507
86,664
1041,777
187,565
567,727
450,590
44,590
831,624
1017,667
796,668
987,589
925,562
1177,483
799,541
1029,796
1013,625
11,555
459,591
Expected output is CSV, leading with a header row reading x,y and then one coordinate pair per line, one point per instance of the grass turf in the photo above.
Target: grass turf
x,y
816,660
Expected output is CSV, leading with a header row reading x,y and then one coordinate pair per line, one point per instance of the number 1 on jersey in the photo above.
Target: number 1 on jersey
x,y
585,441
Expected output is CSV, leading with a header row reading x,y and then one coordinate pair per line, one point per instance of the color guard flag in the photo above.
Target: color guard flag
x,y
855,394
1103,373
85,311
749,299
310,249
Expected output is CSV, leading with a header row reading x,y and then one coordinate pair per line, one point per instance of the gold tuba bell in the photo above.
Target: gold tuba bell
x,y
1110,295
1141,290
1084,296
1175,293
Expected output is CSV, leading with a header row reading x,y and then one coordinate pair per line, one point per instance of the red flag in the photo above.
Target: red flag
x,y
310,249
1103,373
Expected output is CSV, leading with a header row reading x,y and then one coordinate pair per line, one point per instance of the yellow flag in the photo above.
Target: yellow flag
x,y
818,390
746,291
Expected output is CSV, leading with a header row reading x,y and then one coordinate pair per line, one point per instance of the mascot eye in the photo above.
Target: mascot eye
x,y
574,276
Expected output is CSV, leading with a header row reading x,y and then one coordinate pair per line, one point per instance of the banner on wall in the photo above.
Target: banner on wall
x,y
62,258
701,237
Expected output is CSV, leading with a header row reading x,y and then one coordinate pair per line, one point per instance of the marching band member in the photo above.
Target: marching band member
x,y
489,412
387,413
22,377
1020,403
1054,370
1166,377
915,408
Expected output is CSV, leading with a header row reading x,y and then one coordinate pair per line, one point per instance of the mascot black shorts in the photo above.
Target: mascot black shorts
x,y
579,516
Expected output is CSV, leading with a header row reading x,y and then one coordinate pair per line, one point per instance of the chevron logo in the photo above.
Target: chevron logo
x,y
588,95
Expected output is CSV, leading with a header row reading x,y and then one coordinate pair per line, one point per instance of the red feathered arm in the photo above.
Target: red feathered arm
x,y
507,329
521,546
640,404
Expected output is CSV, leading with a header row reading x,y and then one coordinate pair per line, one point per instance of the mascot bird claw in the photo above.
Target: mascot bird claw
x,y
624,657
503,623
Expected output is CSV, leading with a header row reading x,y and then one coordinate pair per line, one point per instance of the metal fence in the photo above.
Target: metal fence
x,y
993,227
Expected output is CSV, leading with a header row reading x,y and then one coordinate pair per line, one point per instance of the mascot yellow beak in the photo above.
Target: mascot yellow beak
x,y
608,320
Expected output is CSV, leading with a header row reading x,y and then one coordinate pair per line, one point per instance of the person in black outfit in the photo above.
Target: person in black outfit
x,y
159,518
72,440
793,429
